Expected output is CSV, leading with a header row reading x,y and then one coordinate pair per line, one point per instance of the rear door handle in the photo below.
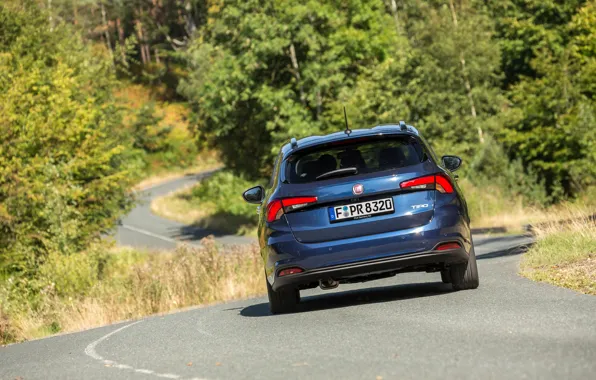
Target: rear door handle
x,y
258,210
456,176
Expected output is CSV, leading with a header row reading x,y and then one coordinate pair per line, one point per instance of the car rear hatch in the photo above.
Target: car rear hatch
x,y
366,201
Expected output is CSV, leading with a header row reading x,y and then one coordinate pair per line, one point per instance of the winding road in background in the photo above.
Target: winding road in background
x,y
407,327
143,229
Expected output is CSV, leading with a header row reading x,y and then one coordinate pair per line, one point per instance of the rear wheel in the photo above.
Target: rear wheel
x,y
445,276
282,301
465,276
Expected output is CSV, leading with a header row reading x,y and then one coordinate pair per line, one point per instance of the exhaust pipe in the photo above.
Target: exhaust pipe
x,y
328,284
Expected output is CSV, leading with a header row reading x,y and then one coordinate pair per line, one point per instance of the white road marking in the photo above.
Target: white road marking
x,y
90,351
167,375
149,233
145,371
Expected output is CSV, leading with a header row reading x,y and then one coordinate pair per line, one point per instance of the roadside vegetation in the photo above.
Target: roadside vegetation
x,y
100,286
565,251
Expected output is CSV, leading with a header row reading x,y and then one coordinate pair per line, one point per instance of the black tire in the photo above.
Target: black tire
x,y
283,301
445,276
465,276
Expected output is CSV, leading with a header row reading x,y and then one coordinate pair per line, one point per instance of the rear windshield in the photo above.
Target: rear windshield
x,y
366,156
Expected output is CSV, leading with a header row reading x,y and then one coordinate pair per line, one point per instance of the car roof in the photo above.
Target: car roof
x,y
379,130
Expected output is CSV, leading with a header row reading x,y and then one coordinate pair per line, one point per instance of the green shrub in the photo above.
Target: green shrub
x,y
147,130
224,190
64,162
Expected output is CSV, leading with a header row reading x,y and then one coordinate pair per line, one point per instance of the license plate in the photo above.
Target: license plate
x,y
360,210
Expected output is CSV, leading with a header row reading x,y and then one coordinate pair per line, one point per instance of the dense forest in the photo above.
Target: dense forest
x,y
475,76
508,85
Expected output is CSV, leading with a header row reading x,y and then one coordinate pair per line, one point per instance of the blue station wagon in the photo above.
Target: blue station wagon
x,y
361,205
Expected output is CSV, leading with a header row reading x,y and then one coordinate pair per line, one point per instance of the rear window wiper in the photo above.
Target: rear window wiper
x,y
338,172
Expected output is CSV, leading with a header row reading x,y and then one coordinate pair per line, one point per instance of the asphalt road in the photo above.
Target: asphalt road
x,y
408,327
143,229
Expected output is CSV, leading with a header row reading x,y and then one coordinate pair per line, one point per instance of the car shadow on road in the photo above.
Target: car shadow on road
x,y
505,252
220,224
357,297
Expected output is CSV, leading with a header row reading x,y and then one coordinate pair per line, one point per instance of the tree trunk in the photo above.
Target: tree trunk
x,y
147,51
121,39
296,72
141,46
189,25
106,28
393,6
50,19
75,13
465,77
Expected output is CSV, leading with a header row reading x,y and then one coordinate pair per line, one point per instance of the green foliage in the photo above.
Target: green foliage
x,y
490,167
148,132
64,172
516,74
276,70
550,125
144,36
224,190
160,144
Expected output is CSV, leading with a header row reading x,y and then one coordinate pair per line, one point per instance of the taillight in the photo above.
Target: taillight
x,y
443,184
276,208
438,182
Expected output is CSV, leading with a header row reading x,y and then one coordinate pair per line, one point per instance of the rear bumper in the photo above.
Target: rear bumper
x,y
396,251
370,267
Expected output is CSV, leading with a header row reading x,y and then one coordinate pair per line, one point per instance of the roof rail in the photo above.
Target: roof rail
x,y
403,126
293,142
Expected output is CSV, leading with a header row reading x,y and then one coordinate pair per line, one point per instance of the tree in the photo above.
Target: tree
x,y
264,71
524,28
63,167
454,73
550,123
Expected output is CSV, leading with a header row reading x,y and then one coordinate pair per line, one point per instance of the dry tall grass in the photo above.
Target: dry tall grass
x,y
491,207
152,284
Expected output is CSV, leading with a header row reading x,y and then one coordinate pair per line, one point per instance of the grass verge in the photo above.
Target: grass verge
x,y
92,289
565,252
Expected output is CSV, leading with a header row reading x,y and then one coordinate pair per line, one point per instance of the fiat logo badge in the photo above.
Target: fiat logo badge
x,y
358,189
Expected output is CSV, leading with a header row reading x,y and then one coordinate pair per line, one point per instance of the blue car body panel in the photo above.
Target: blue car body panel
x,y
311,240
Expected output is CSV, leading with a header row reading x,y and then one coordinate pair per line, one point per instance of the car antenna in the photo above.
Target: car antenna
x,y
348,130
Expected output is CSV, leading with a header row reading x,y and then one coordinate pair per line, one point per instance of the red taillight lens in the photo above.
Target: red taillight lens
x,y
447,246
443,185
285,272
276,208
438,182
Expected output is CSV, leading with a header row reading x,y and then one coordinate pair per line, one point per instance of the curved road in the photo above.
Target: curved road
x,y
408,327
143,229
